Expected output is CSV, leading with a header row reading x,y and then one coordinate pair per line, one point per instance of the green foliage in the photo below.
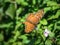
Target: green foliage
x,y
48,42
13,14
44,22
1,37
11,10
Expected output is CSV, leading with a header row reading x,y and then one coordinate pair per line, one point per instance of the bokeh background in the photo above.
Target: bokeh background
x,y
14,12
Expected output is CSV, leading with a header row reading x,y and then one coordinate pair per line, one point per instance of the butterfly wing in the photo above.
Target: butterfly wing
x,y
39,14
29,27
31,18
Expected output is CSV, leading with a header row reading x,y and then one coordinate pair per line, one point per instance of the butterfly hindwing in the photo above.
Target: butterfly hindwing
x,y
29,27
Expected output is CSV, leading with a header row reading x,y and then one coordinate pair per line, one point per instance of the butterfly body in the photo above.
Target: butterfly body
x,y
32,20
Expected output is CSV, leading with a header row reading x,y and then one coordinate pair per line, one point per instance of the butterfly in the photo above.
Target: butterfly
x,y
32,20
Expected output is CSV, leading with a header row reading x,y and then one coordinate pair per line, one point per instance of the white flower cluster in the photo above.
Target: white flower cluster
x,y
46,32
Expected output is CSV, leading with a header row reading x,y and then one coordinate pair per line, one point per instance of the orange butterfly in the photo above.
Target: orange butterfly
x,y
32,20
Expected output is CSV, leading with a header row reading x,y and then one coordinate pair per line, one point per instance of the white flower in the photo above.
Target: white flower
x,y
46,32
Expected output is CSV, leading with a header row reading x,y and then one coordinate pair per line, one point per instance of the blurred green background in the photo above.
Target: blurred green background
x,y
14,12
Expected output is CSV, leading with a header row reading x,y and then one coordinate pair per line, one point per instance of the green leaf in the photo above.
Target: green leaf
x,y
7,1
34,2
51,34
19,43
1,2
1,13
17,26
47,9
51,3
37,41
26,41
38,26
24,37
14,43
19,10
41,43
22,2
19,1
11,10
58,13
55,7
51,17
58,42
48,42
5,43
1,37
55,16
17,34
50,26
6,25
45,1
58,22
44,22
11,40
58,27
40,31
